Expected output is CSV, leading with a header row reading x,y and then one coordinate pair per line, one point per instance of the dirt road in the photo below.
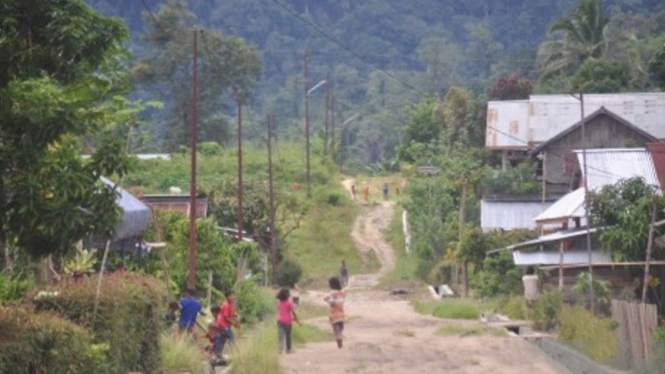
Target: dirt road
x,y
385,335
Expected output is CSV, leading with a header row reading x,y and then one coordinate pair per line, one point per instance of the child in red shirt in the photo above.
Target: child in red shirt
x,y
286,314
225,320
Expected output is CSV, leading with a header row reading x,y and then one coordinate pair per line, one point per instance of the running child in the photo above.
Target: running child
x,y
336,302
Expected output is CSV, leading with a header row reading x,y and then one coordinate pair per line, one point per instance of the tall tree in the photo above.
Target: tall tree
x,y
657,67
60,82
574,39
229,67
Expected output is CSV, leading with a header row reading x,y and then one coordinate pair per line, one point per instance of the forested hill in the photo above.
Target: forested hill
x,y
429,44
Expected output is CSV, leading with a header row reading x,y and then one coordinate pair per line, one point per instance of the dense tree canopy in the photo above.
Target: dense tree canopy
x,y
61,80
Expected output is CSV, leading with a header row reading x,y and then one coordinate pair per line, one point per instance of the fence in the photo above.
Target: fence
x,y
637,323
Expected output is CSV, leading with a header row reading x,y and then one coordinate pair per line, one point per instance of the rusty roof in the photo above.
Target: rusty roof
x,y
657,151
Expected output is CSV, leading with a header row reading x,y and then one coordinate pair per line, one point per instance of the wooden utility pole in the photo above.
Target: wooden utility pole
x,y
309,190
191,279
647,267
241,218
273,241
332,127
325,132
587,206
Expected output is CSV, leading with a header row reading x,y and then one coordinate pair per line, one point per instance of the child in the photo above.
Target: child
x,y
212,332
225,320
190,308
286,314
336,302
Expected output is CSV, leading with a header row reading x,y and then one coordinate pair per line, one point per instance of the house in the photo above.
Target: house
x,y
565,249
604,129
180,203
547,129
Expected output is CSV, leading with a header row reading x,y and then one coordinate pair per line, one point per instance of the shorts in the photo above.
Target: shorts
x,y
338,328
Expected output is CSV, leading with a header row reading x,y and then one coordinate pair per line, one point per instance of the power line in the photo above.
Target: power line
x,y
152,15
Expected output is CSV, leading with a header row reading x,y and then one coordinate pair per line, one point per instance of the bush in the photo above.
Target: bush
x,y
259,354
11,288
499,276
45,343
180,354
129,317
254,303
547,312
590,335
288,273
515,307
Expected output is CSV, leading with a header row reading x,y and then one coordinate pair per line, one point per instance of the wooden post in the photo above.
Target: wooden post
x,y
465,264
645,286
544,186
561,245
209,295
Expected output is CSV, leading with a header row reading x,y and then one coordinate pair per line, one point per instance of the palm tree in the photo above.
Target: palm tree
x,y
574,39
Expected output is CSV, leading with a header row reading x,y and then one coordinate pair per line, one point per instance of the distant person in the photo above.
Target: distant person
x,y
366,194
212,332
385,191
343,274
225,322
286,314
531,286
190,308
295,295
353,192
397,191
336,302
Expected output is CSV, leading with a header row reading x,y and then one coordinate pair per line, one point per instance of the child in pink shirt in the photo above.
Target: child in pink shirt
x,y
286,314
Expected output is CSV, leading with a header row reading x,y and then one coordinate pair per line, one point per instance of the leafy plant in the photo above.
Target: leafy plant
x,y
11,288
592,335
547,312
601,290
83,262
288,273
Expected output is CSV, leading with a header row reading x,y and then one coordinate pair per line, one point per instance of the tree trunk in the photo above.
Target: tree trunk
x,y
465,264
645,286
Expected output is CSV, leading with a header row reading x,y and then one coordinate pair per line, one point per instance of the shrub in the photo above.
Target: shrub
x,y
591,335
254,303
515,307
129,317
180,354
45,343
547,312
499,276
288,273
11,288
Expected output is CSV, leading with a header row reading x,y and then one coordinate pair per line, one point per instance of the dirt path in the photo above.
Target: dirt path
x,y
384,335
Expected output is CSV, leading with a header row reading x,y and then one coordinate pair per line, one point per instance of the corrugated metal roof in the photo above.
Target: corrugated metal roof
x,y
533,121
554,258
548,238
509,215
135,215
567,207
608,166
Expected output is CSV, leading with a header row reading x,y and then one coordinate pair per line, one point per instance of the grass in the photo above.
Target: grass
x,y
448,308
323,239
450,330
403,275
591,335
259,354
310,310
305,333
180,354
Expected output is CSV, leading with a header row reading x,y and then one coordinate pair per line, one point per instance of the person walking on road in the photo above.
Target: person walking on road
x,y
385,191
286,314
336,302
353,192
366,194
344,275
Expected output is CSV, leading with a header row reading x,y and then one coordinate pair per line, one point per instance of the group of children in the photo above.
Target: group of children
x,y
385,190
220,332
